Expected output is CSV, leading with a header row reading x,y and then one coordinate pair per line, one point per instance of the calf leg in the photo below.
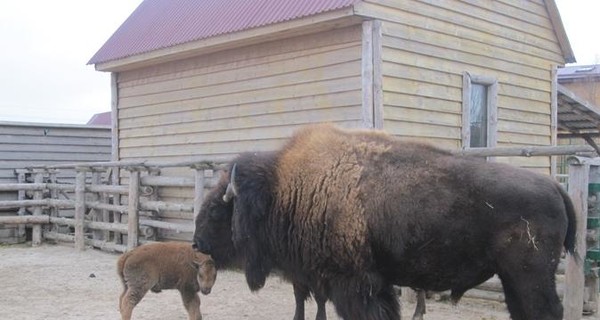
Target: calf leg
x,y
191,302
122,296
130,297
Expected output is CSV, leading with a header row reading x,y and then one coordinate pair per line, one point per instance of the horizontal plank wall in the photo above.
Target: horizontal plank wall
x,y
247,99
28,144
428,45
244,99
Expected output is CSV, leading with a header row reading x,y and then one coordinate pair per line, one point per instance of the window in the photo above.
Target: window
x,y
479,111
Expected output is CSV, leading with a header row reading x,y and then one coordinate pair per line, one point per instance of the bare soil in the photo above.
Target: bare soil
x,y
59,282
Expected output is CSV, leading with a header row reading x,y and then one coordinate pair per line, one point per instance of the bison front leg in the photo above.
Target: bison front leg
x,y
365,298
191,302
300,294
320,299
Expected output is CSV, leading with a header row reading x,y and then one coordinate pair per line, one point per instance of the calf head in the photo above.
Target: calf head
x,y
207,272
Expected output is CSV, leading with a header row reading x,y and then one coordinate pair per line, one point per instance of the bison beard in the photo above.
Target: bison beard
x,y
348,214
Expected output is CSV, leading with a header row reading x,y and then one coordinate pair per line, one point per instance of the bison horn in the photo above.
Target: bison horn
x,y
231,187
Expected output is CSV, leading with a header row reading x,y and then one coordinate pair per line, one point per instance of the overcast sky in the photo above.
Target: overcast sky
x,y
46,45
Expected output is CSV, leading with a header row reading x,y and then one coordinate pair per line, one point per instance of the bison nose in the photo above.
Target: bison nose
x,y
201,246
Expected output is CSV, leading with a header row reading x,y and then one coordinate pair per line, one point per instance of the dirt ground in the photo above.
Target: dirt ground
x,y
59,282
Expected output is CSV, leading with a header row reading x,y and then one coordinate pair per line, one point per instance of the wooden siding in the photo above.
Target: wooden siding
x,y
29,144
249,98
428,45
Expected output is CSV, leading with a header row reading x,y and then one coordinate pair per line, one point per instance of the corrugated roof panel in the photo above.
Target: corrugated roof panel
x,y
158,24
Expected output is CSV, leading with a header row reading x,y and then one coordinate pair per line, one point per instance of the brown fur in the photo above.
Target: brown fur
x,y
166,265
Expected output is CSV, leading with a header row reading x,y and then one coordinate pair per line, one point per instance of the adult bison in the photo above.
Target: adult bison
x,y
352,213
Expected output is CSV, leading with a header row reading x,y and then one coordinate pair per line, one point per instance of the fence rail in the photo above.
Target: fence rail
x,y
95,210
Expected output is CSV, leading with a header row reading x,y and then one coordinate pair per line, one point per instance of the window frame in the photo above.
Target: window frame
x,y
492,109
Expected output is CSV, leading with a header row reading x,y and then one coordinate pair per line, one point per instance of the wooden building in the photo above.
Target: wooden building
x,y
214,78
219,77
24,145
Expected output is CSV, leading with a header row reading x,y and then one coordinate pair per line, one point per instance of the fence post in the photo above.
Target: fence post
x,y
115,180
36,234
105,213
54,194
574,273
21,236
96,215
132,210
80,207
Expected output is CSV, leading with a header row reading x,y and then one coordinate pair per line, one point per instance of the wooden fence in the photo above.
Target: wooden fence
x,y
91,211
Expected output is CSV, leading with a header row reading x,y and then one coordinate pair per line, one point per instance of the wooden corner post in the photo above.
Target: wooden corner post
x,y
133,222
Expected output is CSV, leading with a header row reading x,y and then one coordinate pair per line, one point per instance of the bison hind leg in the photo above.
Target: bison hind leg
x,y
527,299
528,280
420,309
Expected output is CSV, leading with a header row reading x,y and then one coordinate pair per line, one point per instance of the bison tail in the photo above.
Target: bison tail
x,y
570,238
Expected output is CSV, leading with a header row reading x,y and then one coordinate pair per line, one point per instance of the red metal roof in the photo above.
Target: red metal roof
x,y
157,24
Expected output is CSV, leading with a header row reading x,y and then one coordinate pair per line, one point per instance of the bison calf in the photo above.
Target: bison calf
x,y
168,265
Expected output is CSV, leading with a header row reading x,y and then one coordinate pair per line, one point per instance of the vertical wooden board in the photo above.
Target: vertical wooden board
x,y
367,74
574,277
114,115
554,117
80,209
377,76
133,209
